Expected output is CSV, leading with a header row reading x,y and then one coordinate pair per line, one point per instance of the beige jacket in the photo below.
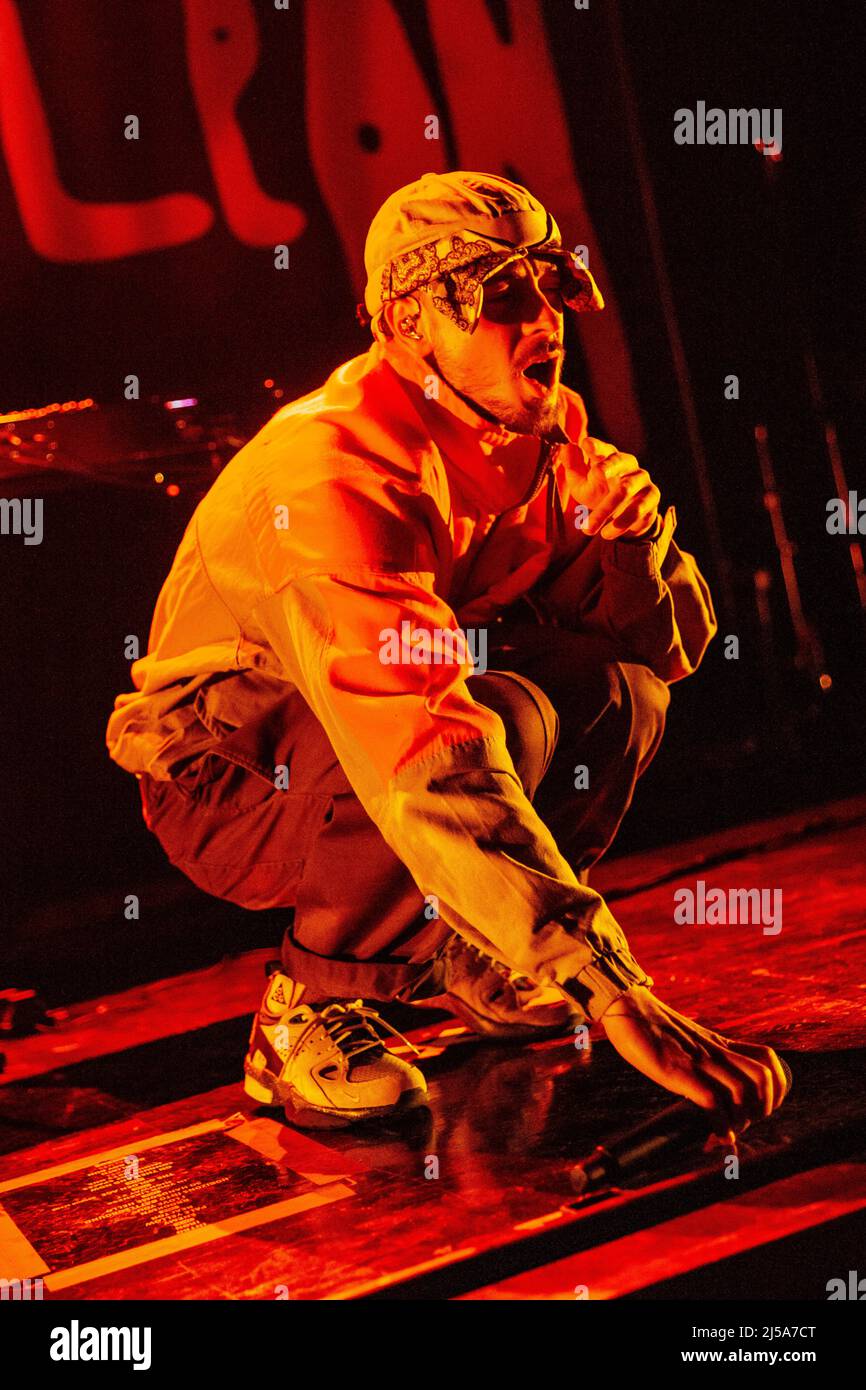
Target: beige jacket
x,y
361,507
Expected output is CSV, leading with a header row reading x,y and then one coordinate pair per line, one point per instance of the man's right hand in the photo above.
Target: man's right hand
x,y
739,1082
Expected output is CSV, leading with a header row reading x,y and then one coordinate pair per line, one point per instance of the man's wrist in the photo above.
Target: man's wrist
x,y
609,976
646,537
625,1003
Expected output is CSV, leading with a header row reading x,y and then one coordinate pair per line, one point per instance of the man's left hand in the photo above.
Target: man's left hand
x,y
621,497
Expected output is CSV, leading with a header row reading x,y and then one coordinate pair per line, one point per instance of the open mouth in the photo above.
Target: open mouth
x,y
541,374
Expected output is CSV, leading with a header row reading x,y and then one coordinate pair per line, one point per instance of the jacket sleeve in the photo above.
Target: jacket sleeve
x,y
648,597
353,615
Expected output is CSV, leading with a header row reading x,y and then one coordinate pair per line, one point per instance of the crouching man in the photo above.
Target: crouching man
x,y
309,730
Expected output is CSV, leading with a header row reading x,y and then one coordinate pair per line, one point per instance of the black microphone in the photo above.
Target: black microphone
x,y
681,1124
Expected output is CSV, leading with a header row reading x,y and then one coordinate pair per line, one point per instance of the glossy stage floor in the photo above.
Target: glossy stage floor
x,y
133,1166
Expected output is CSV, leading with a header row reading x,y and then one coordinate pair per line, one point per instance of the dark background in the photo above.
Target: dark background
x,y
759,254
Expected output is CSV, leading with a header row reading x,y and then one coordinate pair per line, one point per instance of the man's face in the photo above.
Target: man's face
x,y
520,328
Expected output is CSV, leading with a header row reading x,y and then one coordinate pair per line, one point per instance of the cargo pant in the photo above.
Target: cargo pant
x,y
360,927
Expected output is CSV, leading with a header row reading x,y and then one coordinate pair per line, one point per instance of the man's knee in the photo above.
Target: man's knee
x,y
531,722
647,697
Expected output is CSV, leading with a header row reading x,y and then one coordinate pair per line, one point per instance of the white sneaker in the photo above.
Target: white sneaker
x,y
326,1064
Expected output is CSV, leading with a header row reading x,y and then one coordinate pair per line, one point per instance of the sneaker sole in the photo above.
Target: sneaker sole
x,y
267,1089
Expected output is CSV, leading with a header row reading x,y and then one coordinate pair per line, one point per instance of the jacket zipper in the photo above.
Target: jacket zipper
x,y
542,469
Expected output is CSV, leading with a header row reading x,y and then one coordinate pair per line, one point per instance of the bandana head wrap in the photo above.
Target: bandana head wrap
x,y
450,232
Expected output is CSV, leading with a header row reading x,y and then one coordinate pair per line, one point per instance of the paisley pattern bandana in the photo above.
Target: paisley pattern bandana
x,y
454,269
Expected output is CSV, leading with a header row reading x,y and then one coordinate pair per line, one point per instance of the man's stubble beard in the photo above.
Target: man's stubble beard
x,y
520,420
538,422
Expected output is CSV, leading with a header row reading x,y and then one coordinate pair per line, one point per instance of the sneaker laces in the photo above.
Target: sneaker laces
x,y
350,1027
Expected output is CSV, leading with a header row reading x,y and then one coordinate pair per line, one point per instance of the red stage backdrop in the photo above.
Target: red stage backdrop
x,y
156,152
